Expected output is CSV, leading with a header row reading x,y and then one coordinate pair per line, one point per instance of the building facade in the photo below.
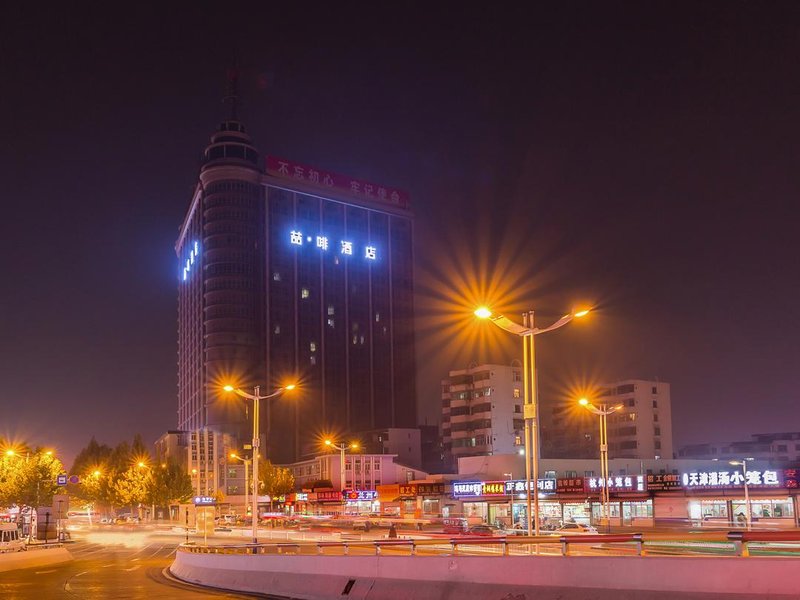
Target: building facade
x,y
641,428
772,448
482,411
290,273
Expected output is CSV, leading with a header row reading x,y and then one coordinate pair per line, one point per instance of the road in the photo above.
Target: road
x,y
114,565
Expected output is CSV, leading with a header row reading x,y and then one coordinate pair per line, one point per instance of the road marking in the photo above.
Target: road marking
x,y
135,559
43,572
132,568
81,573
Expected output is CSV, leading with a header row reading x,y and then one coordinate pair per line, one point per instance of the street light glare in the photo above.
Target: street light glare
x,y
291,386
354,446
10,453
228,388
581,313
583,402
328,442
483,313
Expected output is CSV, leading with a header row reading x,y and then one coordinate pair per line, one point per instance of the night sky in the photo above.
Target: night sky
x,y
638,157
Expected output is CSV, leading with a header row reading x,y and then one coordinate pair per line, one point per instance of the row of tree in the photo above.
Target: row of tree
x,y
127,475
27,475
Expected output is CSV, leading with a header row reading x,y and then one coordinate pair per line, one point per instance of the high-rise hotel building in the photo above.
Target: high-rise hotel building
x,y
288,272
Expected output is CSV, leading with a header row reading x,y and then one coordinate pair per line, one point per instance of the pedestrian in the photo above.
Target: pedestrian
x,y
392,532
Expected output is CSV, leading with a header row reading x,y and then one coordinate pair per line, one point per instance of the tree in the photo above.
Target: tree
x,y
274,481
131,487
93,465
169,483
28,478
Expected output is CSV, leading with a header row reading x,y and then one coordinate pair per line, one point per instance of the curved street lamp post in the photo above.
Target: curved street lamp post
x,y
341,447
603,411
256,397
527,332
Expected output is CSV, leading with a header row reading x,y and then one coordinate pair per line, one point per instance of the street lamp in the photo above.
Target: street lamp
x,y
603,411
256,397
527,331
341,448
246,462
743,464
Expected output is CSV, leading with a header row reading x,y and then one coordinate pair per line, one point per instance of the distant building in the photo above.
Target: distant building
x,y
402,442
362,471
482,411
773,448
641,429
204,454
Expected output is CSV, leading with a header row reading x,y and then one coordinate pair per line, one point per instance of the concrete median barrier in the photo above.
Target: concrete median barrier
x,y
492,578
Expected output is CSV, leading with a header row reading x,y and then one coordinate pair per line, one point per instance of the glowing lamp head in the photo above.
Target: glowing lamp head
x,y
49,453
10,452
140,464
233,455
328,443
228,388
354,445
96,473
583,402
290,387
581,313
483,312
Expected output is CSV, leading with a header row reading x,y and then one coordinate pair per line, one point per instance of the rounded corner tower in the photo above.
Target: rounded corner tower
x,y
221,257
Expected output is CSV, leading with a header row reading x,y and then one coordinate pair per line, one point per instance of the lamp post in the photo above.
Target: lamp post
x,y
256,397
603,411
527,332
246,462
743,464
341,448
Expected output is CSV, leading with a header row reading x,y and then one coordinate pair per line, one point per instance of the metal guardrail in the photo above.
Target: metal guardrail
x,y
737,541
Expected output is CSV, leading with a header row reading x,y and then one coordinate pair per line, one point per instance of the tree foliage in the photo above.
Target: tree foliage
x,y
274,480
28,478
169,483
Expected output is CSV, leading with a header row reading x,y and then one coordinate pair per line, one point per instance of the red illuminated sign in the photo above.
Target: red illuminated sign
x,y
286,169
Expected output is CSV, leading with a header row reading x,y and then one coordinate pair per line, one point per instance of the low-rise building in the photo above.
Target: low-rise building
x,y
773,448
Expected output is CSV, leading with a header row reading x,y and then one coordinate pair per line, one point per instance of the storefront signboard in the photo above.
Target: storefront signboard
x,y
734,478
570,485
329,496
467,489
360,495
430,489
663,481
621,483
520,486
791,478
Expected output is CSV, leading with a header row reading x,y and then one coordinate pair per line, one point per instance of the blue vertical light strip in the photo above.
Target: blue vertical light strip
x,y
194,253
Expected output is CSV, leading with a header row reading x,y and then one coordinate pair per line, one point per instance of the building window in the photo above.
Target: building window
x,y
657,430
331,311
631,402
312,346
313,359
655,418
518,440
304,293
377,317
655,403
655,390
549,474
588,473
515,376
517,409
330,323
277,330
571,474
516,392
276,276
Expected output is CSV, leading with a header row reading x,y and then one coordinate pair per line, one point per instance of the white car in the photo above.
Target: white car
x,y
574,529
9,538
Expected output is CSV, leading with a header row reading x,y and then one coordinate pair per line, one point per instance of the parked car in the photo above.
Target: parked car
x,y
575,528
484,530
362,524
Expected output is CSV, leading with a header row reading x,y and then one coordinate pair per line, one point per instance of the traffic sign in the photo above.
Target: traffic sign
x,y
74,479
61,479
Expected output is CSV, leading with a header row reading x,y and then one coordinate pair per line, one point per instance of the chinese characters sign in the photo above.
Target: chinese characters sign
x,y
360,495
323,243
622,483
466,489
719,479
286,169
663,481
570,485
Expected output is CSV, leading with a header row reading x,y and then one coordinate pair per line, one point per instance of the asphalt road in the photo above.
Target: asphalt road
x,y
107,566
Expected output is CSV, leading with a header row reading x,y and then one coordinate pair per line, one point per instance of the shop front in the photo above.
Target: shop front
x,y
501,503
360,502
717,498
326,502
